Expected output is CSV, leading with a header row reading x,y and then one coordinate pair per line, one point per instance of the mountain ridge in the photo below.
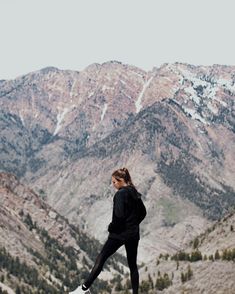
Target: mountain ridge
x,y
170,119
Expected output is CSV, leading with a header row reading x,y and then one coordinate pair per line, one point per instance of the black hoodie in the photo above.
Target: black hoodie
x,y
128,212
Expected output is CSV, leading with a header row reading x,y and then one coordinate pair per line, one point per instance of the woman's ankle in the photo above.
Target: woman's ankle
x,y
84,287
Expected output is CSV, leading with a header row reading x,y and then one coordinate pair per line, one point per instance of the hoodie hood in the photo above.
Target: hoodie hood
x,y
133,192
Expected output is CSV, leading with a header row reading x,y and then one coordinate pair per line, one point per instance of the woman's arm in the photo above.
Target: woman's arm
x,y
118,220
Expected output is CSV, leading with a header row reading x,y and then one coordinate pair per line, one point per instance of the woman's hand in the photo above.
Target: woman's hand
x,y
117,227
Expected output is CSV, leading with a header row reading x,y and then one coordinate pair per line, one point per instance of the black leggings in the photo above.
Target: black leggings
x,y
109,248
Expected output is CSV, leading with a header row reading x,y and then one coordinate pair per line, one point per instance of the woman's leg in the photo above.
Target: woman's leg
x,y
131,251
109,248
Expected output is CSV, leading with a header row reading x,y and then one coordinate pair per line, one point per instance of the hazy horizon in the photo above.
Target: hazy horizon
x,y
72,35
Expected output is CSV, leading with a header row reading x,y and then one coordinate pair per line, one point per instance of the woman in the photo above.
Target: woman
x,y
128,212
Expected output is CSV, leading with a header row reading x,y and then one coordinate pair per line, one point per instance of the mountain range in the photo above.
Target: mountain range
x,y
63,133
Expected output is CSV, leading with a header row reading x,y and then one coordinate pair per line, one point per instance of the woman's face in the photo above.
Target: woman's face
x,y
118,183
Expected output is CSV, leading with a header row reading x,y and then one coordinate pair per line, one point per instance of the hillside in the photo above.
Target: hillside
x,y
205,266
40,250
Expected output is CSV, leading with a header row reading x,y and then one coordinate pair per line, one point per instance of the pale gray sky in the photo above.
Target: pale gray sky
x,y
71,34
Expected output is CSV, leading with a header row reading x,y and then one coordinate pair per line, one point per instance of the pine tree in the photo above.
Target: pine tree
x,y
177,264
150,281
233,254
119,286
183,279
160,283
163,282
144,287
189,272
195,256
18,291
188,275
195,243
230,255
225,254
211,257
167,281
217,255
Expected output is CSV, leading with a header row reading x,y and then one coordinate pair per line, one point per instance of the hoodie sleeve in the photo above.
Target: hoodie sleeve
x,y
119,204
118,220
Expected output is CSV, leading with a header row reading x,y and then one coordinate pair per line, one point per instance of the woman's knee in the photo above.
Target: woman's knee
x,y
133,267
100,259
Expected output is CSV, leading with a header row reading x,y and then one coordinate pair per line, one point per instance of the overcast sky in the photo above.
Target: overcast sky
x,y
71,34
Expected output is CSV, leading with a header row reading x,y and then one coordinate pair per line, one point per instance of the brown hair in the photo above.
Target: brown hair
x,y
123,173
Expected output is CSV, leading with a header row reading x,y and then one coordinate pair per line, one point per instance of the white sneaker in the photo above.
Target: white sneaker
x,y
79,290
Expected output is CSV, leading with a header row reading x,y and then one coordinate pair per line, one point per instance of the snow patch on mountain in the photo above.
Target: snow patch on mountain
x,y
90,94
123,82
203,93
210,92
22,119
106,88
128,96
194,115
139,99
212,108
193,95
71,94
137,74
60,118
221,102
103,111
227,84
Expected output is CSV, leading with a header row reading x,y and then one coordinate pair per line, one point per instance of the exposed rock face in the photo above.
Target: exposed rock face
x,y
211,274
65,132
36,243
17,201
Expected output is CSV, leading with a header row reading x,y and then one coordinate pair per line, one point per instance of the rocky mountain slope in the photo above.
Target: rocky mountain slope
x,y
40,250
64,133
206,265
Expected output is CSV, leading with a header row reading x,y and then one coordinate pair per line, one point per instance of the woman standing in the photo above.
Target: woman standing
x,y
128,212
